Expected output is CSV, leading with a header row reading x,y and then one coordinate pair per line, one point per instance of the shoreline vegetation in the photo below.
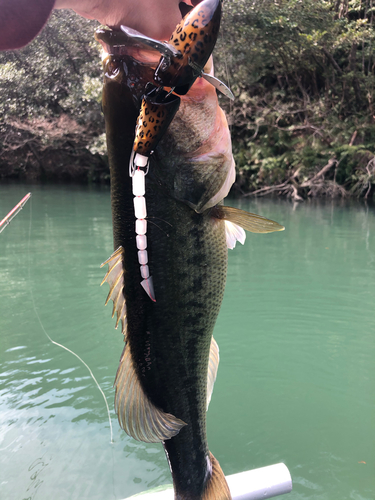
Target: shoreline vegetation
x,y
302,123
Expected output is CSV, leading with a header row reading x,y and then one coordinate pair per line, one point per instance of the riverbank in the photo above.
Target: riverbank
x,y
57,149
302,122
61,149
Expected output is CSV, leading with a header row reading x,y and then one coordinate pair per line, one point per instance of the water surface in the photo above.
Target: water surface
x,y
296,331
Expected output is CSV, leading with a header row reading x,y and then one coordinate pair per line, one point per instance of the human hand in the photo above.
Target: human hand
x,y
21,20
154,18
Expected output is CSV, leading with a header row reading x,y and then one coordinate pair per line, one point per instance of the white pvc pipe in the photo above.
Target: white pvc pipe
x,y
256,484
266,482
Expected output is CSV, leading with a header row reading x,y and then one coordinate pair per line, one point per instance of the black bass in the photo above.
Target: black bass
x,y
168,367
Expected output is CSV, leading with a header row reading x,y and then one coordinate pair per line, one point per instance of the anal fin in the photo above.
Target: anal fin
x,y
137,415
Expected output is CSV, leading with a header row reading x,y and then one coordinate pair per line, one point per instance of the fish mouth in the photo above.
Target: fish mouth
x,y
126,62
118,44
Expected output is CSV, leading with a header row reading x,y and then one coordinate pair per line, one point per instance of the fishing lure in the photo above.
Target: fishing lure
x,y
182,61
157,111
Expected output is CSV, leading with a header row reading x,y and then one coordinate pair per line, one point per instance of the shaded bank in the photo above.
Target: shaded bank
x,y
51,125
55,149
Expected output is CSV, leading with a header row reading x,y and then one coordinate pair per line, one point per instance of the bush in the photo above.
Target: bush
x,y
302,72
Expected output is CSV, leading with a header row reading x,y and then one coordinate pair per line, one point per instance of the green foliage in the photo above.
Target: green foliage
x,y
51,125
59,72
303,75
302,71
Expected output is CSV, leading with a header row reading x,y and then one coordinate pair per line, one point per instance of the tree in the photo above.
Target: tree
x,y
51,124
303,75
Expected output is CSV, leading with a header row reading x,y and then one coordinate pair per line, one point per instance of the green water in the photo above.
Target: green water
x,y
296,381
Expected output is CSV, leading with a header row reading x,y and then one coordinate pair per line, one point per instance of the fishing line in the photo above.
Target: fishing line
x,y
56,343
154,223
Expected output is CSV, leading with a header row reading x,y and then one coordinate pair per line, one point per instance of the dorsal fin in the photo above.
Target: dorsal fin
x,y
251,222
115,279
136,414
213,365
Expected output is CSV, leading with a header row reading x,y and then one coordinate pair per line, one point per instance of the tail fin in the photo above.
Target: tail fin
x,y
216,486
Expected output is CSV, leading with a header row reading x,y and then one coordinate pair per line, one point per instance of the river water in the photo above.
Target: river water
x,y
296,381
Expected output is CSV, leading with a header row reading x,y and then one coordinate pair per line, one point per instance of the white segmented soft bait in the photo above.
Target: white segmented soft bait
x,y
140,207
142,257
145,272
141,226
141,241
140,211
139,188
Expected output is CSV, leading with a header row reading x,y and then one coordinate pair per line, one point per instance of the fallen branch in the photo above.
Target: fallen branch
x,y
321,172
270,189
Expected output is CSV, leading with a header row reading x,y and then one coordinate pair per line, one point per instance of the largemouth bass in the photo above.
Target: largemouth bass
x,y
168,367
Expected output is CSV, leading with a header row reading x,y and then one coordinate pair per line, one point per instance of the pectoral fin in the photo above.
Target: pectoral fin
x,y
137,415
251,222
236,220
213,365
115,279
